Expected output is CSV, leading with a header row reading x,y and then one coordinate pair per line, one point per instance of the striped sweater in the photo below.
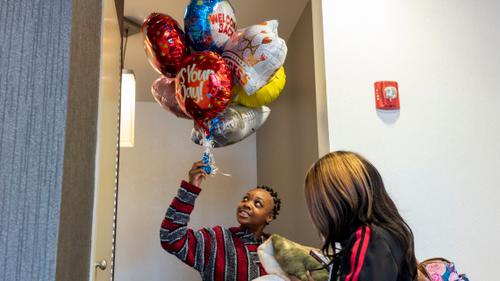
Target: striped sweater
x,y
217,253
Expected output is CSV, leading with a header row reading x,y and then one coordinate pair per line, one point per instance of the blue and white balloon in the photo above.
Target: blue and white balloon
x,y
209,24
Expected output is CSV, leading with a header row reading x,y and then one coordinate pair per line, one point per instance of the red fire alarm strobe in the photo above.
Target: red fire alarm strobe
x,y
387,95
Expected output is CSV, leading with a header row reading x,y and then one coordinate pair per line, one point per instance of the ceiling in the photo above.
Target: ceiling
x,y
248,12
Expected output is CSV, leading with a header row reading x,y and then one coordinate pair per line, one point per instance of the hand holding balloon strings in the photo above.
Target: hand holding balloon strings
x,y
208,143
197,173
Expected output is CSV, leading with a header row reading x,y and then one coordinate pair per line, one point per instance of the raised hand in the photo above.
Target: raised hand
x,y
197,174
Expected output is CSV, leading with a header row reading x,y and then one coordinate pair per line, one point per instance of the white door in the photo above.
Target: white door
x,y
107,145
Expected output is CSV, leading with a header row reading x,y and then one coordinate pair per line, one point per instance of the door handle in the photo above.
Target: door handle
x,y
101,265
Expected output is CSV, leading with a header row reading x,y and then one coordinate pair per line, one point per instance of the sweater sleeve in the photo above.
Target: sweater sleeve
x,y
369,259
189,246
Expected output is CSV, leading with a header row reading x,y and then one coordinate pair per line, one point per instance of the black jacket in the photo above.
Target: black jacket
x,y
371,253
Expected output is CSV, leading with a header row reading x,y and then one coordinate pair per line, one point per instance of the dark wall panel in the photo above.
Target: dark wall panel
x,y
34,71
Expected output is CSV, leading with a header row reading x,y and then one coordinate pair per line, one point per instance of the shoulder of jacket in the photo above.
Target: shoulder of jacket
x,y
383,236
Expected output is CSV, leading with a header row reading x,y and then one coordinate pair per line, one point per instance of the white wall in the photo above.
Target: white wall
x,y
150,174
440,154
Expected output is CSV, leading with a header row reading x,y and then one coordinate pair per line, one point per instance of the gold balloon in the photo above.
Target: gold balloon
x,y
264,95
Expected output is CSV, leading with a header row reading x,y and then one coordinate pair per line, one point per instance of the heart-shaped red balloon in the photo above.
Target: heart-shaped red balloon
x,y
203,86
164,43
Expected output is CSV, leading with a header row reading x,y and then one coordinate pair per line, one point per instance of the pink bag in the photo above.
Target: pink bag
x,y
439,269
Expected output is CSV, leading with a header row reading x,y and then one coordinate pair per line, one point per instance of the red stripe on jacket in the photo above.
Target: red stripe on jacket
x,y
360,246
362,255
354,253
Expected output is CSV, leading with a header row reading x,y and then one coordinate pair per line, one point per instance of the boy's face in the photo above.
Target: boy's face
x,y
255,209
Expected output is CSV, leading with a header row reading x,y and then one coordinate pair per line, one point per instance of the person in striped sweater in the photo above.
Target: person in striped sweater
x,y
217,253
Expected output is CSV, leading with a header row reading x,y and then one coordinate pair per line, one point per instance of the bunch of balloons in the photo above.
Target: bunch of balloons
x,y
219,76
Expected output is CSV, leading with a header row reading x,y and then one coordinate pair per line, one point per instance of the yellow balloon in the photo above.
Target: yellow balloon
x,y
264,95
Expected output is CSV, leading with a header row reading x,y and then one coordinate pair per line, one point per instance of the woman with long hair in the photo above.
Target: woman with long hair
x,y
350,207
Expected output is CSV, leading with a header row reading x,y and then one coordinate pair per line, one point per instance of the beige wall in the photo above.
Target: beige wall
x,y
288,143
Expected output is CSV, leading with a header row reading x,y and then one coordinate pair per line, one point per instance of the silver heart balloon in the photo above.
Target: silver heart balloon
x,y
234,124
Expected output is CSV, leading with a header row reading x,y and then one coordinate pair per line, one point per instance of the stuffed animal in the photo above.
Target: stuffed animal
x,y
282,257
